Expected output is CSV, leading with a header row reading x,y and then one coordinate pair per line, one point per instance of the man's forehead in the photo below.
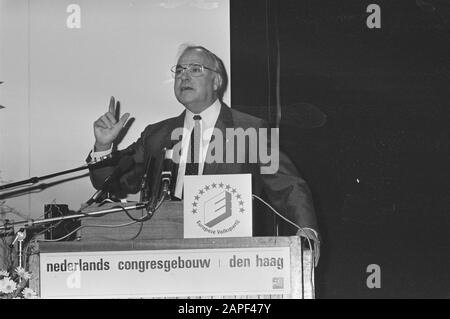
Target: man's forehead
x,y
194,56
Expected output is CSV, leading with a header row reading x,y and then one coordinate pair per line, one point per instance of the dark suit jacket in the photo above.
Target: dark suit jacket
x,y
285,190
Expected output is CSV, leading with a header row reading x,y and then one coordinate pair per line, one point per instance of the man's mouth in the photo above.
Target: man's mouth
x,y
186,88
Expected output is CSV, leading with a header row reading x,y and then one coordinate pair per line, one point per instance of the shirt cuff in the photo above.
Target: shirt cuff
x,y
99,156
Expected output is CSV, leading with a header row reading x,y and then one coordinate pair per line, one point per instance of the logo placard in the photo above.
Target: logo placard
x,y
218,206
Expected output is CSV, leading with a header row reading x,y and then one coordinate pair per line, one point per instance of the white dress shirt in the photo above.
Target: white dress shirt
x,y
207,124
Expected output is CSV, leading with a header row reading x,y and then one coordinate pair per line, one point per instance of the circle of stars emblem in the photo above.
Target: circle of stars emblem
x,y
207,188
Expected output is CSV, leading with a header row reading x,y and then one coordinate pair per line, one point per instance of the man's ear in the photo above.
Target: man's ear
x,y
217,82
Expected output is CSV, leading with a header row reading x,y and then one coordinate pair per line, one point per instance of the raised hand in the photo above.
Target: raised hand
x,y
108,126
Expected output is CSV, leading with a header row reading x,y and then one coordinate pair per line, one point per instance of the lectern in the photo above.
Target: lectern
x,y
152,260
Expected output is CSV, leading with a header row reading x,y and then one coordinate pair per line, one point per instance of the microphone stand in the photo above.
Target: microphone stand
x,y
34,223
24,225
37,179
20,235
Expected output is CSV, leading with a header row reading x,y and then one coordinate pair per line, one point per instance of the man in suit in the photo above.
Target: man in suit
x,y
200,83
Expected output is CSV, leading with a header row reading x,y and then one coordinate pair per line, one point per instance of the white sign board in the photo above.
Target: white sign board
x,y
166,273
218,206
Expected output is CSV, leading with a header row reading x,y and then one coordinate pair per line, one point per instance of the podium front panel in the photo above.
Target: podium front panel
x,y
265,267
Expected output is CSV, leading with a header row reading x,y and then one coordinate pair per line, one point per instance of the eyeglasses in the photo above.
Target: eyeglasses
x,y
194,70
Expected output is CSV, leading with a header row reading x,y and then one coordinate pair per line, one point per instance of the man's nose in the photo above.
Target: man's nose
x,y
185,74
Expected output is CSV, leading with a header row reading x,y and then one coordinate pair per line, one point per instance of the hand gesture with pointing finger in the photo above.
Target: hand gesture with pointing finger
x,y
108,126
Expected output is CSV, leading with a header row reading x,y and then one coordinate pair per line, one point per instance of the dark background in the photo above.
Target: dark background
x,y
385,93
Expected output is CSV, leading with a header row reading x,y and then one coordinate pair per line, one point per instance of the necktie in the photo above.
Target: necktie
x,y
193,159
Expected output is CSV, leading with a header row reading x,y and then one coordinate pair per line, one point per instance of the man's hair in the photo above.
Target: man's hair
x,y
218,66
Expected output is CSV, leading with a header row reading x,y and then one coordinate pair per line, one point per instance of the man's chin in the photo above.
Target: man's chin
x,y
186,99
186,95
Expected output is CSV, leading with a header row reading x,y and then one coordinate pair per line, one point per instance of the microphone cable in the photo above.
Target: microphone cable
x,y
305,235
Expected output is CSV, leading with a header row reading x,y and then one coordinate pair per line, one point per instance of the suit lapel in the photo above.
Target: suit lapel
x,y
224,121
166,139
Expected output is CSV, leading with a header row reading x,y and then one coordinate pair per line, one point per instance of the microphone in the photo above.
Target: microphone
x,y
145,188
113,156
19,237
166,174
125,163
